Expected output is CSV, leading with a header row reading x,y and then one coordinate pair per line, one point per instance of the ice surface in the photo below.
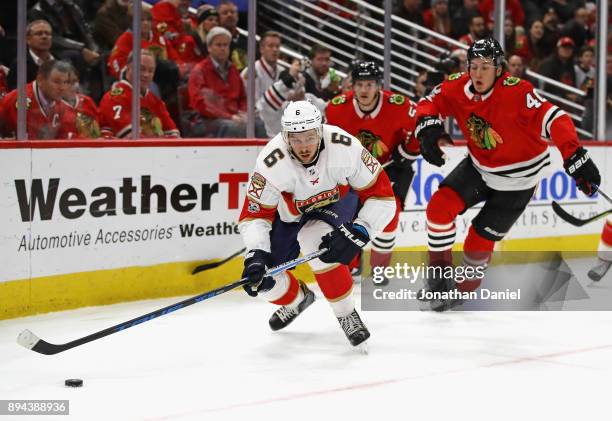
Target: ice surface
x,y
218,360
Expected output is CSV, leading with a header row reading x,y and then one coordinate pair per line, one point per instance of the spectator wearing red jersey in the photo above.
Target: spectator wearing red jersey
x,y
168,22
116,105
47,115
84,109
513,9
478,30
438,18
216,92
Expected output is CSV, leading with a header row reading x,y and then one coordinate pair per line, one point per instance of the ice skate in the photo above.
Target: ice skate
x,y
285,315
599,270
353,327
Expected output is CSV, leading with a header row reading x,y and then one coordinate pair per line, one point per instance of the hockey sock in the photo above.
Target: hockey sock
x,y
286,291
604,251
335,283
442,210
476,253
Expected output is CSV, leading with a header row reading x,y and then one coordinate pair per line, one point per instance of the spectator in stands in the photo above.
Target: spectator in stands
x,y
533,50
72,36
48,117
208,18
84,109
462,16
267,69
514,41
532,11
289,87
578,28
410,10
564,9
560,67
39,38
516,66
116,105
320,79
584,68
550,20
438,18
478,30
168,22
228,18
217,93
459,55
112,19
513,10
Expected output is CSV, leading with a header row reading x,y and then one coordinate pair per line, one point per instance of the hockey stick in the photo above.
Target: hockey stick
x,y
569,218
29,340
207,266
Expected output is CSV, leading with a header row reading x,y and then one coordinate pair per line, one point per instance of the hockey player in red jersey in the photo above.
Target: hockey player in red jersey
x,y
384,123
303,195
116,106
48,117
504,121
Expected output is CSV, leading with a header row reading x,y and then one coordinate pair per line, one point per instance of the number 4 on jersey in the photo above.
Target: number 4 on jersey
x,y
534,102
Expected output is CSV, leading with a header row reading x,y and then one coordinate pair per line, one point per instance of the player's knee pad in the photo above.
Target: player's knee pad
x,y
444,206
309,238
335,283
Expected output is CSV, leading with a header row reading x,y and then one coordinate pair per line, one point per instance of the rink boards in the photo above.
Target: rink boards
x,y
89,223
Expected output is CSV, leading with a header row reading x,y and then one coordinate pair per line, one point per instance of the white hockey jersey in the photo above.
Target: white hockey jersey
x,y
265,75
281,186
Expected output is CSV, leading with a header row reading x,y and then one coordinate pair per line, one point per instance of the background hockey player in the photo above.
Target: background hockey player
x,y
384,123
504,121
300,198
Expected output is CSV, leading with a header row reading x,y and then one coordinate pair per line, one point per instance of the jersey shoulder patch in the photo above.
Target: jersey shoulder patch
x,y
338,100
455,76
511,81
397,99
117,90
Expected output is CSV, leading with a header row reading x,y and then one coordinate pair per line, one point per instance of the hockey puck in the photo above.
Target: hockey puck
x,y
73,382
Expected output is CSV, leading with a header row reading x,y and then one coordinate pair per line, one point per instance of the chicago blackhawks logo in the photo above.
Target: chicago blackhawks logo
x,y
454,76
397,99
150,124
339,100
87,127
511,81
372,143
482,133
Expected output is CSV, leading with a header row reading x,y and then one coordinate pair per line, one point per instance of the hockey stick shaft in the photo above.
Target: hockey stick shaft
x,y
207,266
31,341
571,219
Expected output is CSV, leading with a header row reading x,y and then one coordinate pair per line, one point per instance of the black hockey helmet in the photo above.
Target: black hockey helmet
x,y
486,48
366,70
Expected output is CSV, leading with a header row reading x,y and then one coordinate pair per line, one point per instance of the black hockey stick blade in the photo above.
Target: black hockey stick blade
x,y
207,266
571,219
29,340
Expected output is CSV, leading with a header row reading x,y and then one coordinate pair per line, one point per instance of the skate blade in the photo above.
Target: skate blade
x,y
362,348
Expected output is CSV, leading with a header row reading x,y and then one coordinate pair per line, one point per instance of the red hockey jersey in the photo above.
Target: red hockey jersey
x,y
123,47
85,115
52,122
116,114
505,128
390,124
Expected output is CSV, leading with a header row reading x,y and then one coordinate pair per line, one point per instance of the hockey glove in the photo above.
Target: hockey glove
x,y
343,243
581,168
429,131
255,263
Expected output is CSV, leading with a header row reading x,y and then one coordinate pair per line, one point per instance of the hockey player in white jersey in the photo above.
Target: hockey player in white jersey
x,y
314,186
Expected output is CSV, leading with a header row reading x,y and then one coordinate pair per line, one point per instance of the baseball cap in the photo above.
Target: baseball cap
x,y
566,42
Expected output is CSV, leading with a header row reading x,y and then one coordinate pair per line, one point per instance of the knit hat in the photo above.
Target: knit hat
x,y
215,32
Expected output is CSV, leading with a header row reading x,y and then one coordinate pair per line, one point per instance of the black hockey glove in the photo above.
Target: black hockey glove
x,y
429,130
581,168
255,263
343,243
287,79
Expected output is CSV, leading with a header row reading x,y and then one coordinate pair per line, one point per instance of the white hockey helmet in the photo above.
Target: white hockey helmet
x,y
300,116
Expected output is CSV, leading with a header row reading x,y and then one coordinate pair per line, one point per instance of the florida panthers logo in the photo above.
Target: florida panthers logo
x,y
372,143
482,133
